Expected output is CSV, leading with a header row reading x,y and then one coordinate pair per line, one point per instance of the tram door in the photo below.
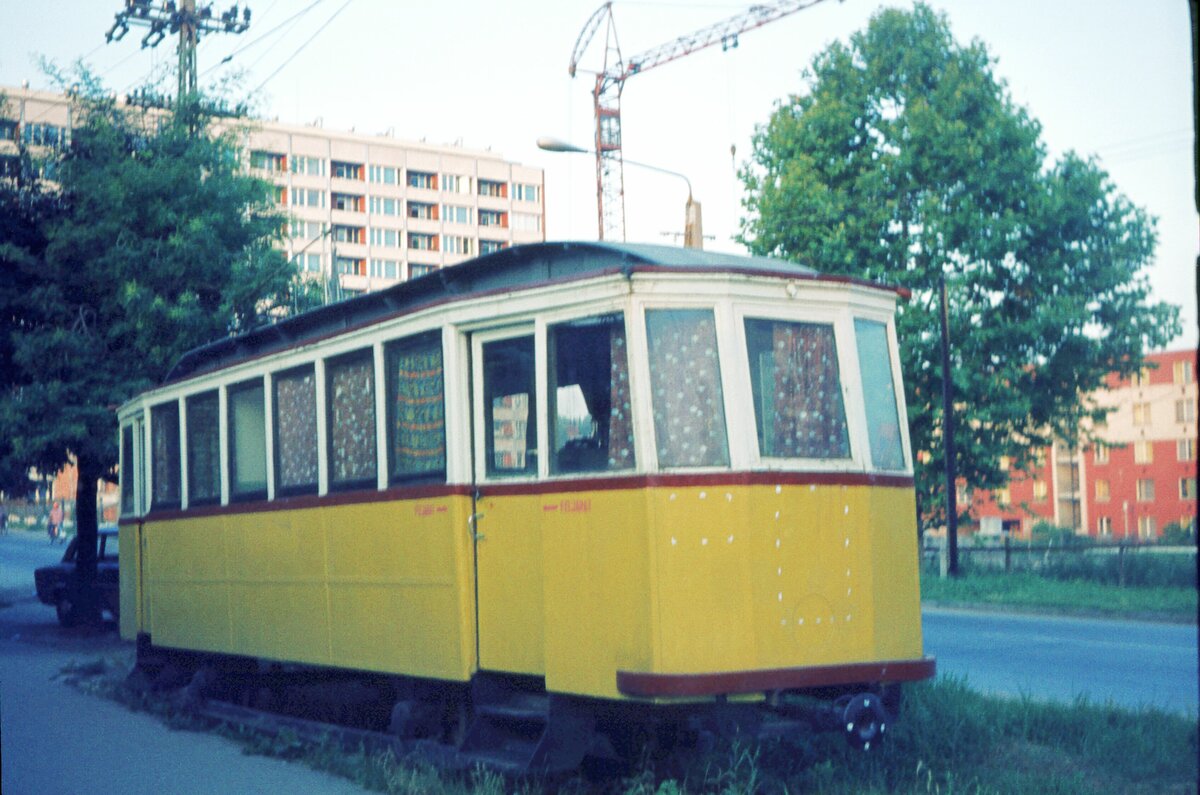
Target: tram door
x,y
508,543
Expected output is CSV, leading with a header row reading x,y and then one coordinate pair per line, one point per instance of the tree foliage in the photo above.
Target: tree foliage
x,y
151,241
906,160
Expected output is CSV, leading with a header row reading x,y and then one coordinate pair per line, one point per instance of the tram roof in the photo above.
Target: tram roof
x,y
512,268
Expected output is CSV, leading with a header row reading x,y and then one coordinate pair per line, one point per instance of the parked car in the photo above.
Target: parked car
x,y
52,581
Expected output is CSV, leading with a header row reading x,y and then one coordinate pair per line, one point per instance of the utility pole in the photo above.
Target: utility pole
x,y
948,438
184,18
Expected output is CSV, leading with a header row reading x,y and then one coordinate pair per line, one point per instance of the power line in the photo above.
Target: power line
x,y
302,47
290,20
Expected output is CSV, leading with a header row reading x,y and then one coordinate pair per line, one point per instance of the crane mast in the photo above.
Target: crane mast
x,y
610,82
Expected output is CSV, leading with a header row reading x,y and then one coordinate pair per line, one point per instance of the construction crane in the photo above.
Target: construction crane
x,y
610,82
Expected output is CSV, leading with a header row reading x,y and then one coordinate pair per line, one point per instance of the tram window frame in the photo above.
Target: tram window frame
x,y
170,472
660,421
586,461
128,472
308,487
752,327
426,342
194,430
334,428
234,394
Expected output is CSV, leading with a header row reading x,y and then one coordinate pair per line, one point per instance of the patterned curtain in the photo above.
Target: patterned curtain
x,y
296,429
351,387
685,383
620,422
418,411
799,406
204,448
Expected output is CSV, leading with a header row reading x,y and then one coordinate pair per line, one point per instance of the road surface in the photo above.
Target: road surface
x,y
1130,663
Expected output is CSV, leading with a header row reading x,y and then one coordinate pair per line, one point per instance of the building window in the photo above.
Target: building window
x,y
1141,413
1101,453
272,162
10,166
204,449
306,197
42,134
420,241
422,210
1185,410
312,166
591,421
456,183
491,187
384,175
346,201
349,234
1143,452
1005,463
1003,497
1104,526
493,218
527,222
491,246
456,244
306,230
311,263
381,205
385,269
416,271
416,411
247,441
1187,488
1146,527
685,387
1102,492
351,266
1141,378
1185,449
164,442
423,180
8,132
1039,491
296,431
456,214
524,192
1145,490
1184,372
350,401
388,238
344,170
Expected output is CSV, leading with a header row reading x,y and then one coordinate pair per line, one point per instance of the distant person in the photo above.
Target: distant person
x,y
54,527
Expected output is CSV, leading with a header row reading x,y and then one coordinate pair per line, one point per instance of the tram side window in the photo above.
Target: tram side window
x,y
797,390
510,406
416,409
204,449
685,388
591,422
879,394
296,431
350,404
164,441
248,441
128,472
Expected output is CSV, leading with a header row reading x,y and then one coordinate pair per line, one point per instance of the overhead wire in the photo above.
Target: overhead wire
x,y
302,47
289,21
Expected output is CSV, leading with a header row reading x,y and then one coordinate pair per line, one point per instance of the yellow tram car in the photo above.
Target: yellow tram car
x,y
622,475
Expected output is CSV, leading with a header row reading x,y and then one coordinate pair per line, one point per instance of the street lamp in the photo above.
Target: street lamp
x,y
693,227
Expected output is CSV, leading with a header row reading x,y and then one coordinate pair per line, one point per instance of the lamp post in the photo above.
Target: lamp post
x,y
693,227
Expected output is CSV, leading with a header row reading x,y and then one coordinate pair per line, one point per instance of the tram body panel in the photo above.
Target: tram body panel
x,y
895,560
129,546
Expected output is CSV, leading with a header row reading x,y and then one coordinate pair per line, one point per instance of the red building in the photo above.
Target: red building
x,y
1138,480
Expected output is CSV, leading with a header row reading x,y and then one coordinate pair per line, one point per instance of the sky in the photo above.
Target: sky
x,y
1105,78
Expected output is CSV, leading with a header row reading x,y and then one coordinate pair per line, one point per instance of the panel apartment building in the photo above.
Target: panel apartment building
x,y
1138,479
366,211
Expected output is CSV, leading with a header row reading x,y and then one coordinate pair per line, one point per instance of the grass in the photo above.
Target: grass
x,y
1085,597
949,739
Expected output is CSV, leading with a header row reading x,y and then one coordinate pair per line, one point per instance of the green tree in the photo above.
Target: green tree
x,y
157,241
906,160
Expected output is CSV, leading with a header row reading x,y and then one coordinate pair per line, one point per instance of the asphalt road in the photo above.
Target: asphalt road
x,y
1129,663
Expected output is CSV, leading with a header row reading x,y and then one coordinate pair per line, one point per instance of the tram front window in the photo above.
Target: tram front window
x,y
592,427
797,390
